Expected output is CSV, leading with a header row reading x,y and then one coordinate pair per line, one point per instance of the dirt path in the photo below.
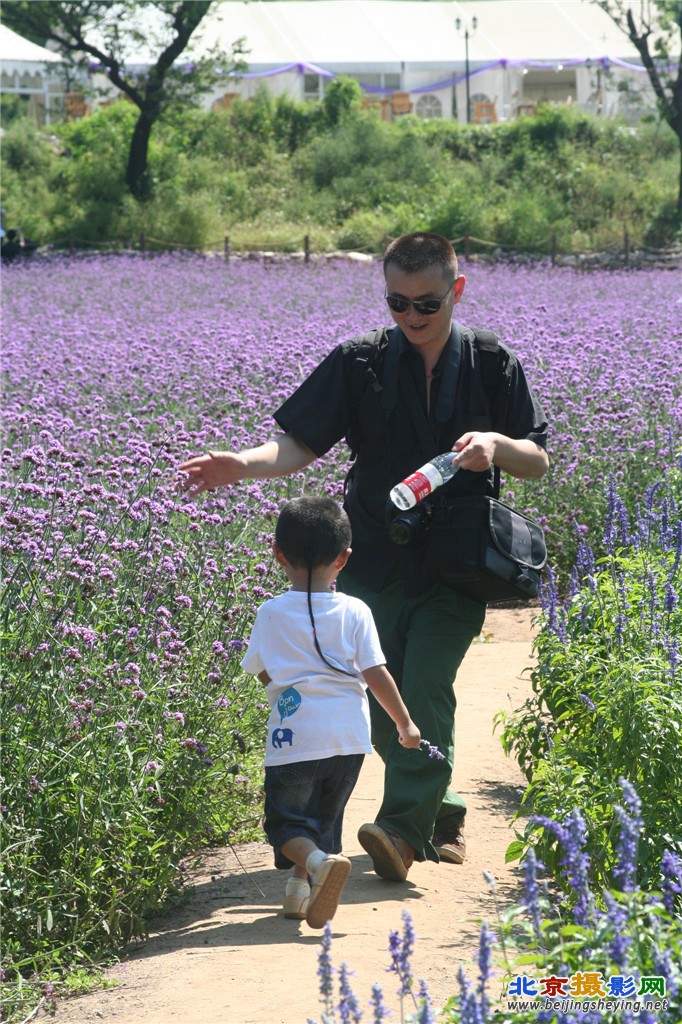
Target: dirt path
x,y
229,957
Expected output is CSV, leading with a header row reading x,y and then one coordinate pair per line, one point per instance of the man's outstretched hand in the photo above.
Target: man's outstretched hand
x,y
206,472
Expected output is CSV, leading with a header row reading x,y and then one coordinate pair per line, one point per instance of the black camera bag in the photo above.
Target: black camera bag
x,y
484,549
477,545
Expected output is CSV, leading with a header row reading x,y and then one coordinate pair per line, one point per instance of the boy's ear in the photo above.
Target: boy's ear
x,y
277,552
343,558
459,287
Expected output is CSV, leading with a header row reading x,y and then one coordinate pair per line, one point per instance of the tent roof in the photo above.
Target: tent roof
x,y
387,34
16,49
392,32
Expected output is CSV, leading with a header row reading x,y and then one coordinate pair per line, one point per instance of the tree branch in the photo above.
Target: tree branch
x,y
640,39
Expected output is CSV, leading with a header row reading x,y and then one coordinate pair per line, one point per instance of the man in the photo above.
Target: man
x,y
417,392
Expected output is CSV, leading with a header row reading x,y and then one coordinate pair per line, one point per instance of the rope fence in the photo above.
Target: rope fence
x,y
466,246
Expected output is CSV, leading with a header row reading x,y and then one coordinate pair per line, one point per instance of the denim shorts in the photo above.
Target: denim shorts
x,y
308,798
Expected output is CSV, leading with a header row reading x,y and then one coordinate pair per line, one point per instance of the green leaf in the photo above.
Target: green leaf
x,y
514,851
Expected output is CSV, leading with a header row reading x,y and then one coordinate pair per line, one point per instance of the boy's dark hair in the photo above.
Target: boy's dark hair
x,y
311,532
421,250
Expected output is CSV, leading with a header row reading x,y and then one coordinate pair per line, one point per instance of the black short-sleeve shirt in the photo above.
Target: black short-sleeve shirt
x,y
388,443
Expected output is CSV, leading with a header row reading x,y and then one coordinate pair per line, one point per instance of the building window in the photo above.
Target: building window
x,y
548,86
312,87
429,105
368,79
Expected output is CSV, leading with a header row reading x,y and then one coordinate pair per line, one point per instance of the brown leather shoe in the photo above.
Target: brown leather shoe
x,y
450,844
392,856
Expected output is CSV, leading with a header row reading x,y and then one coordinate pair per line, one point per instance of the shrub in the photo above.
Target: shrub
x,y
276,159
606,687
25,149
341,97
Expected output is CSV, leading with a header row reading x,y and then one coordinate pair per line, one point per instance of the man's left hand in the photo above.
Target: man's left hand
x,y
476,451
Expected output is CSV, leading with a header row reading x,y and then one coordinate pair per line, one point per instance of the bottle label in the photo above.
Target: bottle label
x,y
424,481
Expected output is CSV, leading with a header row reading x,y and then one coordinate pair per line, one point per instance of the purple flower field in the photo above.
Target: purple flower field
x,y
125,605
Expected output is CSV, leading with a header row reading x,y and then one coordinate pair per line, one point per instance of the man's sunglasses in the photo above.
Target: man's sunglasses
x,y
425,307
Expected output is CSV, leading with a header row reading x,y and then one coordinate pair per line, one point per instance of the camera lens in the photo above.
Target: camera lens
x,y
405,527
401,532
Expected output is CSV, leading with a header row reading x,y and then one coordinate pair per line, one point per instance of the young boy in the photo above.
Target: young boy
x,y
316,651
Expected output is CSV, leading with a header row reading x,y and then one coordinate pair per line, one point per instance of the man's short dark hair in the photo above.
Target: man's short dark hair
x,y
421,250
312,531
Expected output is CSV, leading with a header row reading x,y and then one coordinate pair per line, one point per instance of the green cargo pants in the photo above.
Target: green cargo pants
x,y
424,640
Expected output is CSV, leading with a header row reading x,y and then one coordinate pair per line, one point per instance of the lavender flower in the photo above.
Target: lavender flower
x,y
531,894
620,942
325,971
574,860
432,751
379,1011
401,948
425,1013
671,884
348,1007
469,1007
484,964
630,818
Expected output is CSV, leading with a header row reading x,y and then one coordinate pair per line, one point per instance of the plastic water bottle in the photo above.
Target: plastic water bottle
x,y
424,481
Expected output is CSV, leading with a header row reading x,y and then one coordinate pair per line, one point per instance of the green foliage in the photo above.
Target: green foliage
x,y
366,164
607,701
342,96
334,171
24,149
12,107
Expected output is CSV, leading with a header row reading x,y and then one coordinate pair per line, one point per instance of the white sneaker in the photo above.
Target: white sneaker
x,y
328,882
296,901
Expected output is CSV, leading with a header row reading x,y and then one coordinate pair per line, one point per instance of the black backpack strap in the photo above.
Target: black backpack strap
x,y
493,362
495,380
365,359
365,355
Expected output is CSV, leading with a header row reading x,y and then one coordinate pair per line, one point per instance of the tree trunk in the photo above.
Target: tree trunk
x,y
136,171
676,126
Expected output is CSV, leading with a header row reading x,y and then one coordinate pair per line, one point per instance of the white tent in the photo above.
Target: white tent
x,y
14,49
505,56
519,52
32,72
360,33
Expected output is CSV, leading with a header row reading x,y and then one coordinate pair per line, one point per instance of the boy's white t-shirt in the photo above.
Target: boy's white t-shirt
x,y
315,712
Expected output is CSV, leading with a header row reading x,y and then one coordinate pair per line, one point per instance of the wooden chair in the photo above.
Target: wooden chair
x,y
75,106
400,104
484,112
372,103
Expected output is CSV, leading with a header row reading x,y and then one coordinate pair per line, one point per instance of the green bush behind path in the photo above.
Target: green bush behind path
x,y
267,172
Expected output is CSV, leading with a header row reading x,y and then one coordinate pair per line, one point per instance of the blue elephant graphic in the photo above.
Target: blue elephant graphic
x,y
281,736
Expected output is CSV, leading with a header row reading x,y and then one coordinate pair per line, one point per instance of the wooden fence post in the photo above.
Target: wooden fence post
x,y
227,248
553,248
72,244
467,247
143,242
306,248
626,247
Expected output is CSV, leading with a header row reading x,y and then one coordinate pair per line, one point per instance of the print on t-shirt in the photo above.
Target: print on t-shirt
x,y
288,704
